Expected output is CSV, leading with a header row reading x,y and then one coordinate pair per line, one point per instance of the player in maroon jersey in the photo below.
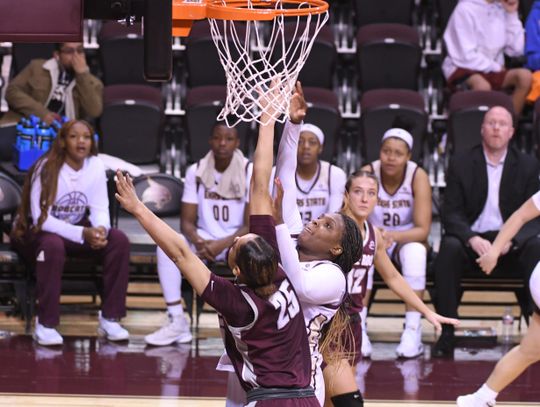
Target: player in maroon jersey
x,y
360,199
261,318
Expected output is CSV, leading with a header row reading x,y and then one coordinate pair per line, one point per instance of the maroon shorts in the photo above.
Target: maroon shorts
x,y
294,402
460,75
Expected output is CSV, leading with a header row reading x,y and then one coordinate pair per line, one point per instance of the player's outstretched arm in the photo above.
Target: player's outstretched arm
x,y
525,213
398,285
172,243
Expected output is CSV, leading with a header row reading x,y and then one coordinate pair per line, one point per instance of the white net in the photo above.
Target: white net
x,y
262,60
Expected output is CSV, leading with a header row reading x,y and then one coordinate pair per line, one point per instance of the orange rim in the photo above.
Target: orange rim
x,y
238,9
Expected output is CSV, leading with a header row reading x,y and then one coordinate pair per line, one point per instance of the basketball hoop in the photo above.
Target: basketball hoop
x,y
262,45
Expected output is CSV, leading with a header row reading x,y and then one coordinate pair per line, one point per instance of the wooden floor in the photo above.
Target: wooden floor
x,y
46,400
139,366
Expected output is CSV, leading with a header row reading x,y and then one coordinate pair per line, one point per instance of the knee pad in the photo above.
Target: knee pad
x,y
413,258
534,285
353,399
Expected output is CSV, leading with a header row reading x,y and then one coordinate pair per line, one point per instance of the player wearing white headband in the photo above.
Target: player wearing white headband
x,y
320,185
403,214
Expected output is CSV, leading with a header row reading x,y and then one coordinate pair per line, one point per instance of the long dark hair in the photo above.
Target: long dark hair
x,y
258,264
49,165
351,244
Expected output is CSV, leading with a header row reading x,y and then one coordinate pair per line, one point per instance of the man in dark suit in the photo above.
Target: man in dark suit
x,y
484,187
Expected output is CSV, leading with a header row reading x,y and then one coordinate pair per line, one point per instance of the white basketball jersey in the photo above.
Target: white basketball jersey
x,y
316,317
395,211
217,216
313,196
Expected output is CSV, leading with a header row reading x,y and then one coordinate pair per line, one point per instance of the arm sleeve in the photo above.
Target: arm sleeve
x,y
515,36
337,189
462,44
227,299
52,224
323,284
90,94
99,198
19,90
532,40
190,186
285,171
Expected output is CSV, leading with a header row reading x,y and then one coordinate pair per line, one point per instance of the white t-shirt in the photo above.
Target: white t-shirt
x,y
77,192
216,216
321,194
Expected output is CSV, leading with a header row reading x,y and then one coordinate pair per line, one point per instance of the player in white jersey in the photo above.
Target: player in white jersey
x,y
403,214
528,351
65,211
213,215
320,185
315,263
360,199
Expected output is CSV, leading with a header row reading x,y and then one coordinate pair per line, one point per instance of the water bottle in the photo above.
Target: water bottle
x,y
507,325
44,135
27,136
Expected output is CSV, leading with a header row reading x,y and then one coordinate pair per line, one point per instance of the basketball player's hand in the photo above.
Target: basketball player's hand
x,y
125,192
298,105
270,102
510,6
278,201
79,63
387,238
488,261
204,253
95,237
436,320
479,245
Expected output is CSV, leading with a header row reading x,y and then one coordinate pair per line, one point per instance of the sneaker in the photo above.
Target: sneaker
x,y
175,330
366,348
472,400
410,345
47,336
112,330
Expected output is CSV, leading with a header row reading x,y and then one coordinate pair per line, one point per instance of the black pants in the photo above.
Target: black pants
x,y
456,260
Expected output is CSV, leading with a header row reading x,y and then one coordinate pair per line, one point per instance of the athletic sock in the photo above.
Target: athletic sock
x,y
412,318
486,394
175,310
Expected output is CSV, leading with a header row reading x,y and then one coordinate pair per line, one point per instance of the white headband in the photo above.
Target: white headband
x,y
315,130
400,134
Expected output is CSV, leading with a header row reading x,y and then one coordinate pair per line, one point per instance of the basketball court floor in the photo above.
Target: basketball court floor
x,y
87,371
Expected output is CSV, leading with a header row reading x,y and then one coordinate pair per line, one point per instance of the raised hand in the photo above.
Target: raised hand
x,y
298,106
126,193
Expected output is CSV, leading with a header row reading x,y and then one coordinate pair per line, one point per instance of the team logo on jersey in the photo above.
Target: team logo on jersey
x,y
71,207
156,194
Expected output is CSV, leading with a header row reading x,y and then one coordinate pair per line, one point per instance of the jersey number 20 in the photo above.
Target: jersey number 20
x,y
285,300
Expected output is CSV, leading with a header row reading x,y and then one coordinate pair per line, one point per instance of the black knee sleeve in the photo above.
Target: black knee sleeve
x,y
353,399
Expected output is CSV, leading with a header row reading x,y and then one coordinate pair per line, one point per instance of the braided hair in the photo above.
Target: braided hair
x,y
351,243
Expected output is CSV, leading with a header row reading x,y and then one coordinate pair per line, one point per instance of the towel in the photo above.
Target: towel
x,y
233,180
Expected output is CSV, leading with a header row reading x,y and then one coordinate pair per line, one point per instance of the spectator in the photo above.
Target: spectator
x,y
320,185
60,86
403,215
484,187
213,215
60,189
532,39
477,36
